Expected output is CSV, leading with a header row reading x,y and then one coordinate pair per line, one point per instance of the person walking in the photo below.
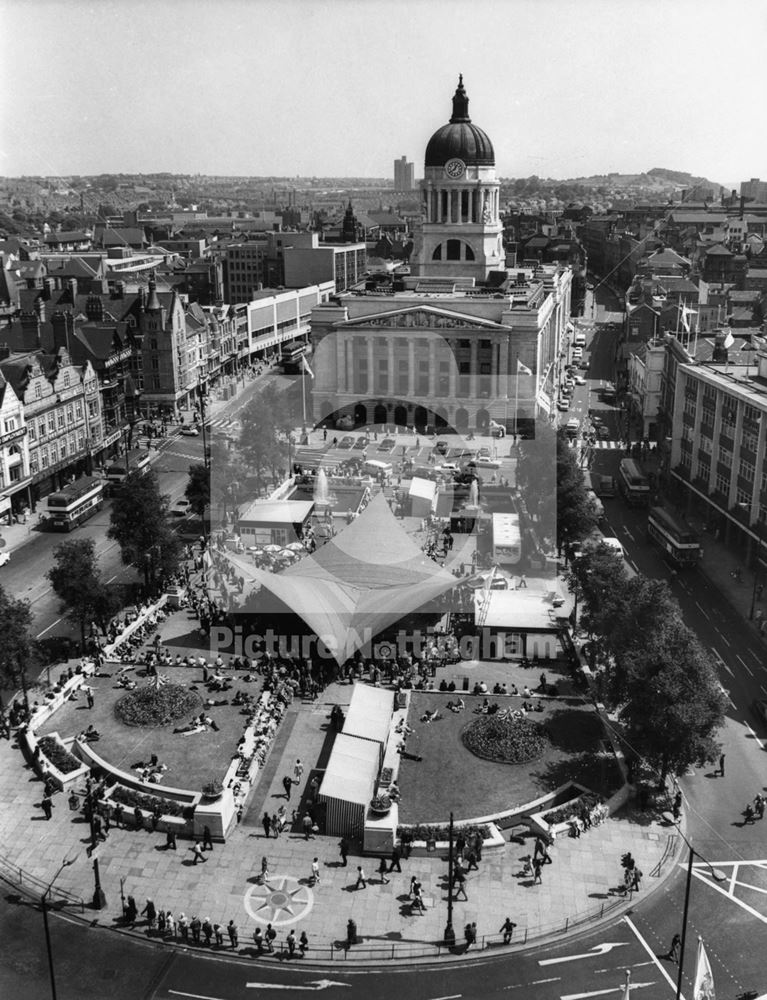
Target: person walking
x,y
266,821
89,697
303,943
721,765
207,840
170,839
150,913
298,770
231,930
258,940
47,807
382,870
315,872
395,859
537,869
269,935
343,847
469,935
264,869
351,932
507,929
673,952
197,851
460,878
472,861
276,826
287,784
306,823
417,897
361,878
759,805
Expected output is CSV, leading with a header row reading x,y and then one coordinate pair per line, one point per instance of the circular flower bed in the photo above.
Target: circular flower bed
x,y
507,741
151,706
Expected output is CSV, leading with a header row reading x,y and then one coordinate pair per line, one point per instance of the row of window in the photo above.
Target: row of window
x,y
44,456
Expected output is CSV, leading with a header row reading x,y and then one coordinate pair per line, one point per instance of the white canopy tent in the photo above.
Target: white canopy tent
x,y
348,784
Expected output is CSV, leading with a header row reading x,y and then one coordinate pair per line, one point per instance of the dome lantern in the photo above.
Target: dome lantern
x,y
460,138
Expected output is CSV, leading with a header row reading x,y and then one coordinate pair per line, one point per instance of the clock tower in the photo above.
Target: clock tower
x,y
461,235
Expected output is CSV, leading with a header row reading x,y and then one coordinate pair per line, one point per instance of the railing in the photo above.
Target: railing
x,y
32,886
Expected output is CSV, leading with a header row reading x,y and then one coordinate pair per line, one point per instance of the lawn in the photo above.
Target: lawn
x,y
192,760
450,777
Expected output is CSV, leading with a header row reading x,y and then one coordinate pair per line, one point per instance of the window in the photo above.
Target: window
x,y
485,345
44,458
10,424
469,253
66,379
743,497
725,457
38,391
453,249
722,484
437,255
155,382
60,418
32,431
746,470
70,414
153,343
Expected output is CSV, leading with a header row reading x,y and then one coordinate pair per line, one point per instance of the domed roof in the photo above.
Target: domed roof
x,y
460,138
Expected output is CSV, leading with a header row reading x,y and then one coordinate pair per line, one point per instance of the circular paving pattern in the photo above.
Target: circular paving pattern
x,y
279,901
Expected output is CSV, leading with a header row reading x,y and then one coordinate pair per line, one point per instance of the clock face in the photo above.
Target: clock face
x,y
455,168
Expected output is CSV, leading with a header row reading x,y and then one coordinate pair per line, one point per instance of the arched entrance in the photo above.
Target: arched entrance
x,y
326,410
461,420
400,415
380,414
360,415
421,418
440,417
483,420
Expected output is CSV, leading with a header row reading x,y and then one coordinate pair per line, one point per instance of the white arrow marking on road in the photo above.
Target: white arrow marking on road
x,y
721,661
316,984
600,949
601,993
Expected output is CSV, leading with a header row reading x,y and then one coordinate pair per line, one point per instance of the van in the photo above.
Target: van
x,y
579,339
605,486
374,467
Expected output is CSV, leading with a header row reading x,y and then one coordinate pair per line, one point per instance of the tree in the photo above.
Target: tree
x,y
598,579
16,645
197,489
139,524
536,475
675,705
576,512
76,581
263,440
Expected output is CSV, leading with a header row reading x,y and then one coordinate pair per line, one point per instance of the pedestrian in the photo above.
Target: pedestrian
x,y
170,839
303,943
150,913
232,932
287,784
161,923
197,851
759,805
183,927
468,934
673,952
314,785
117,814
306,823
472,861
47,807
219,935
298,770
460,844
138,818
207,930
290,941
267,824
195,927
461,880
269,935
382,870
538,847
721,765
749,814
395,859
343,847
276,825
258,939
522,582
351,932
170,924
636,878
507,929
315,872
361,878
89,697
417,897
98,833
537,868
264,869
207,840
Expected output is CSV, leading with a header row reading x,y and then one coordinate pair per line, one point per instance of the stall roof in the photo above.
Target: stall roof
x,y
516,610
277,512
352,770
369,713
422,488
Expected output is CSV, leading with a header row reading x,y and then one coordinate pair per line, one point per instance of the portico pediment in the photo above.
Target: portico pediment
x,y
422,317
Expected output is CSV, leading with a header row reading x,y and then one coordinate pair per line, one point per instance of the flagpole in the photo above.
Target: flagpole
x,y
516,401
303,392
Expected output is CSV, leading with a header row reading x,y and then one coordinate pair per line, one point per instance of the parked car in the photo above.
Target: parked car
x,y
485,462
483,453
441,447
181,508
360,443
347,441
603,432
190,431
577,353
388,444
572,427
580,380
563,403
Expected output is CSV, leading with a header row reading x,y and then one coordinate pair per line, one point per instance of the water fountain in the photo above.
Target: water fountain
x,y
323,498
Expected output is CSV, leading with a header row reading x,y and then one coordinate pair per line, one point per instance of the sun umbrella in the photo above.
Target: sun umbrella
x,y
295,547
271,548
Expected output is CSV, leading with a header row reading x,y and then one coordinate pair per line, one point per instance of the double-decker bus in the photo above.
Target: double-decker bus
x,y
291,355
137,461
507,539
74,504
633,484
677,539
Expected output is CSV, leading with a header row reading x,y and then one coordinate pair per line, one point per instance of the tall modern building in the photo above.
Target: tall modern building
x,y
460,340
404,175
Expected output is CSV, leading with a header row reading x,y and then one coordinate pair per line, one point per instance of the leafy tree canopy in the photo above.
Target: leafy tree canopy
x,y
17,650
139,524
197,489
76,581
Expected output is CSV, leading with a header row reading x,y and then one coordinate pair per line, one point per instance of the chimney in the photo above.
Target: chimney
x,y
720,354
742,205
94,309
49,287
120,289
71,286
63,323
30,328
39,307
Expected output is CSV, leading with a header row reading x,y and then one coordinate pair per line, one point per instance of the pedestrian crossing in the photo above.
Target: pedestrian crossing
x,y
599,445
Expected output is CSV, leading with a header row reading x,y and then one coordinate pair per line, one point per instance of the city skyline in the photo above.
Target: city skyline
x,y
341,90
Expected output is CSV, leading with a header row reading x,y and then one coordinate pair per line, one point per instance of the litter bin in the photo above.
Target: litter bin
x,y
465,685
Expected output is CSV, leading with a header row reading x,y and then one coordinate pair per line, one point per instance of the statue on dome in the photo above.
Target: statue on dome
x,y
486,213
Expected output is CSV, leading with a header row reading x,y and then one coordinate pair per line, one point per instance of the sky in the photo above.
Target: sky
x,y
341,88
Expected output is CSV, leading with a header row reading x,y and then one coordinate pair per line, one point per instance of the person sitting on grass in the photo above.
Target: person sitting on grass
x,y
195,726
430,715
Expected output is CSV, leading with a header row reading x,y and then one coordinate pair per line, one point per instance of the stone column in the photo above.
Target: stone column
x,y
371,380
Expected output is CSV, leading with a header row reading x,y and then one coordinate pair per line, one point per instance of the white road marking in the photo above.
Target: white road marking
x,y
748,727
627,532
721,662
453,996
734,899
721,634
745,665
601,993
697,605
40,634
599,949
653,956
635,965
536,982
317,984
761,686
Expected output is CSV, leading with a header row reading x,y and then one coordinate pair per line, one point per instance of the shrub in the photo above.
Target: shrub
x,y
563,813
168,807
152,706
505,740
441,831
58,755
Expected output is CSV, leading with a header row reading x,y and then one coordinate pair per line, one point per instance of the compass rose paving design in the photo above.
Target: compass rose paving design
x,y
279,901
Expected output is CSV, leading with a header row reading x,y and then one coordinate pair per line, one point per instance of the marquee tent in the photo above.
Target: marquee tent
x,y
348,785
368,716
369,576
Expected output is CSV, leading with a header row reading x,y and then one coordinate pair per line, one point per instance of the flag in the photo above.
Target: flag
x,y
305,366
729,340
522,369
686,313
703,987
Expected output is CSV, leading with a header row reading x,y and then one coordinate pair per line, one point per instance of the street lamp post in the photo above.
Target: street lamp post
x,y
44,907
449,931
756,583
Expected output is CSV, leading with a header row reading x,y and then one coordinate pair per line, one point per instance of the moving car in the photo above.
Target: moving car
x,y
347,441
572,427
361,443
388,444
485,462
441,447
190,431
563,403
580,380
181,508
